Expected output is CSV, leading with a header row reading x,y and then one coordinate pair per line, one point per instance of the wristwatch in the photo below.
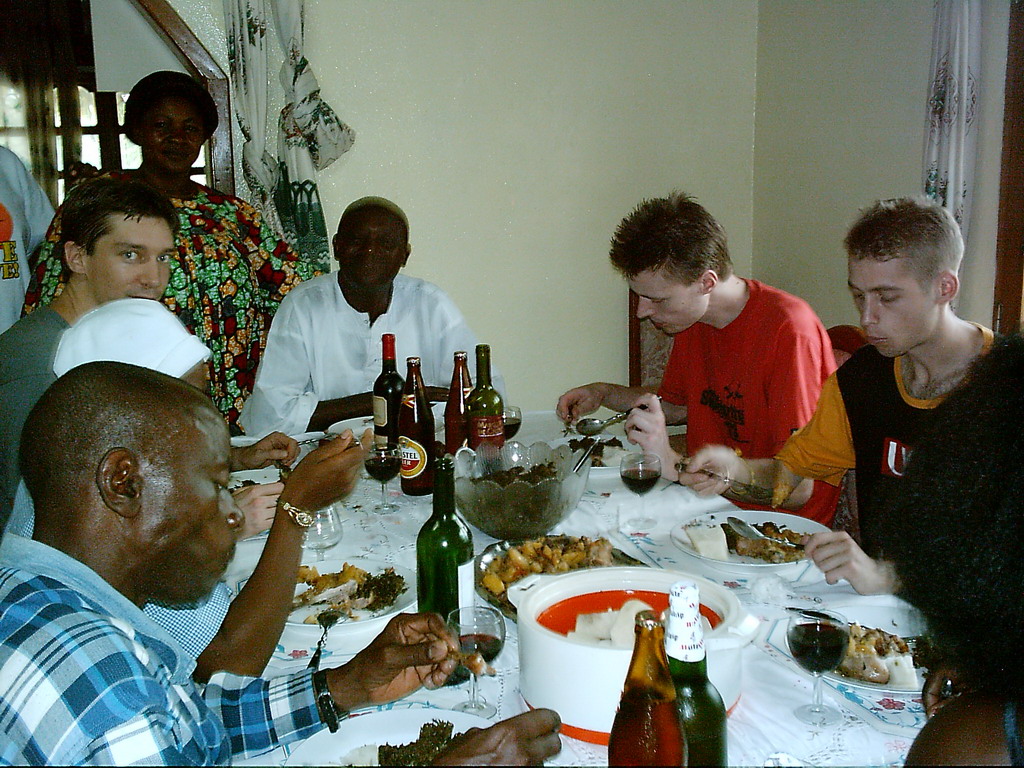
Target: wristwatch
x,y
301,517
330,713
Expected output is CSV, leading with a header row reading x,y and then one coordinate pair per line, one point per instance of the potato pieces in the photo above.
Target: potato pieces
x,y
555,554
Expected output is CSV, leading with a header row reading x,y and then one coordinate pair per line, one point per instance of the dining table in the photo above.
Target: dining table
x,y
877,726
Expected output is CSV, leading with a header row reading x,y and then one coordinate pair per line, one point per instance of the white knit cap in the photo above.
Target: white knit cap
x,y
142,332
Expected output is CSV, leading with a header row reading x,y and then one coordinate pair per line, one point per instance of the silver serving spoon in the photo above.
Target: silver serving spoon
x,y
748,531
590,426
325,619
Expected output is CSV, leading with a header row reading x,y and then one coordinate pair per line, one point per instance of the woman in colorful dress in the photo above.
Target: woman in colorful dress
x,y
232,270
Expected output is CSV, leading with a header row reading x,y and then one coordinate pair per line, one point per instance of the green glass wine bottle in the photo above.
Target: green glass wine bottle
x,y
444,550
484,408
700,706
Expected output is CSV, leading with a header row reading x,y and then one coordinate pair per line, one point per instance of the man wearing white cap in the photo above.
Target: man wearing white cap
x,y
236,636
324,347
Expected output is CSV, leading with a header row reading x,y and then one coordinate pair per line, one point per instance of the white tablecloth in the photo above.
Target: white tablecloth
x,y
876,730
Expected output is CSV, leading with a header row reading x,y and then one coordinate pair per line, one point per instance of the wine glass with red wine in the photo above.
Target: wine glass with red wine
x,y
818,642
383,464
480,629
512,417
640,472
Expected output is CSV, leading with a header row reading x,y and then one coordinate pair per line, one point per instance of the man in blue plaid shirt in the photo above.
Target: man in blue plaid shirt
x,y
131,506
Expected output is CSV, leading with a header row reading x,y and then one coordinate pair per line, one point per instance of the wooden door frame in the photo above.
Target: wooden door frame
x,y
194,55
1008,307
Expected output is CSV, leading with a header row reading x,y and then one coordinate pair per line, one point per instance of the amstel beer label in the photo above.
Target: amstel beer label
x,y
414,457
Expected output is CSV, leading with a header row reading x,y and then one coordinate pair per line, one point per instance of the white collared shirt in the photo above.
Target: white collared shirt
x,y
320,348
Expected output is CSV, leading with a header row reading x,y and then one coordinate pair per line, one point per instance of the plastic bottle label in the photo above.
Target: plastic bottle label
x,y
414,457
684,632
467,591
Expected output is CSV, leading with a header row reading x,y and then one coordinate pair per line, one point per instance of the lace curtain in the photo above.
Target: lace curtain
x,y
951,132
309,134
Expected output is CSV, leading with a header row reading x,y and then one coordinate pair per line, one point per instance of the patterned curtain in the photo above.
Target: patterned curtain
x,y
951,134
310,135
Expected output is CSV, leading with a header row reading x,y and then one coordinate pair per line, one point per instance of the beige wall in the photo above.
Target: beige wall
x,y
516,133
840,121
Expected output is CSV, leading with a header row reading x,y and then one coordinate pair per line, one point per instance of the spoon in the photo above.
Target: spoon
x,y
590,426
325,619
748,531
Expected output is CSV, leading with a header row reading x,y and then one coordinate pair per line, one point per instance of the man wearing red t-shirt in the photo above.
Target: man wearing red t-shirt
x,y
748,360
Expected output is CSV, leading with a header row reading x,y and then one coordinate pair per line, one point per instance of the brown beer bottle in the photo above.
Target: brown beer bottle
x,y
455,427
647,729
416,434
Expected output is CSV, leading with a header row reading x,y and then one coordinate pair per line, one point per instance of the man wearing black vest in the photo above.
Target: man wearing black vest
x,y
904,256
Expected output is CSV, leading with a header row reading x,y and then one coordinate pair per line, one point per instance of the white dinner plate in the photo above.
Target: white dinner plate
x,y
246,476
885,612
890,614
373,567
361,423
357,425
736,562
393,726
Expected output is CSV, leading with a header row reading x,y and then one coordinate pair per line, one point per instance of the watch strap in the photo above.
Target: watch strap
x,y
330,713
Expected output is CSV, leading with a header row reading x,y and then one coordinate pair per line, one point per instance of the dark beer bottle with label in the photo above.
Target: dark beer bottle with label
x,y
647,729
416,434
455,429
700,706
444,550
387,397
484,409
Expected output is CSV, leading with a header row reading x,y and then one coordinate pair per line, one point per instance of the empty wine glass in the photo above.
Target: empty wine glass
x,y
818,642
640,472
325,531
480,629
383,464
512,417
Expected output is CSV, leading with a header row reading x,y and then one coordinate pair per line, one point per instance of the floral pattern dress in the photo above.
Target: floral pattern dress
x,y
225,286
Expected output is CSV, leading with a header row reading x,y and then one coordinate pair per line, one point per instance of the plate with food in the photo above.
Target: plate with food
x,y
246,477
711,539
501,566
886,652
389,737
361,589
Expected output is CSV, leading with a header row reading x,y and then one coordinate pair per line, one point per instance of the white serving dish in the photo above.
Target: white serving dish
x,y
583,682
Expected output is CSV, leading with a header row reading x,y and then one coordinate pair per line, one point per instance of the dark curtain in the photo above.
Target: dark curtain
x,y
38,57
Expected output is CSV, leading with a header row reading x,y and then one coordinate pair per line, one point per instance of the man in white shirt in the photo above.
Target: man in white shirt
x,y
324,347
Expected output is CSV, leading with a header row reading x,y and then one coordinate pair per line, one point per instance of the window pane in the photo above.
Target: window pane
x,y
20,146
122,98
13,107
87,106
91,150
131,154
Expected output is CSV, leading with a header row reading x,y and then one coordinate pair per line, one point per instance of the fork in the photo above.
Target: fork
x,y
326,619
